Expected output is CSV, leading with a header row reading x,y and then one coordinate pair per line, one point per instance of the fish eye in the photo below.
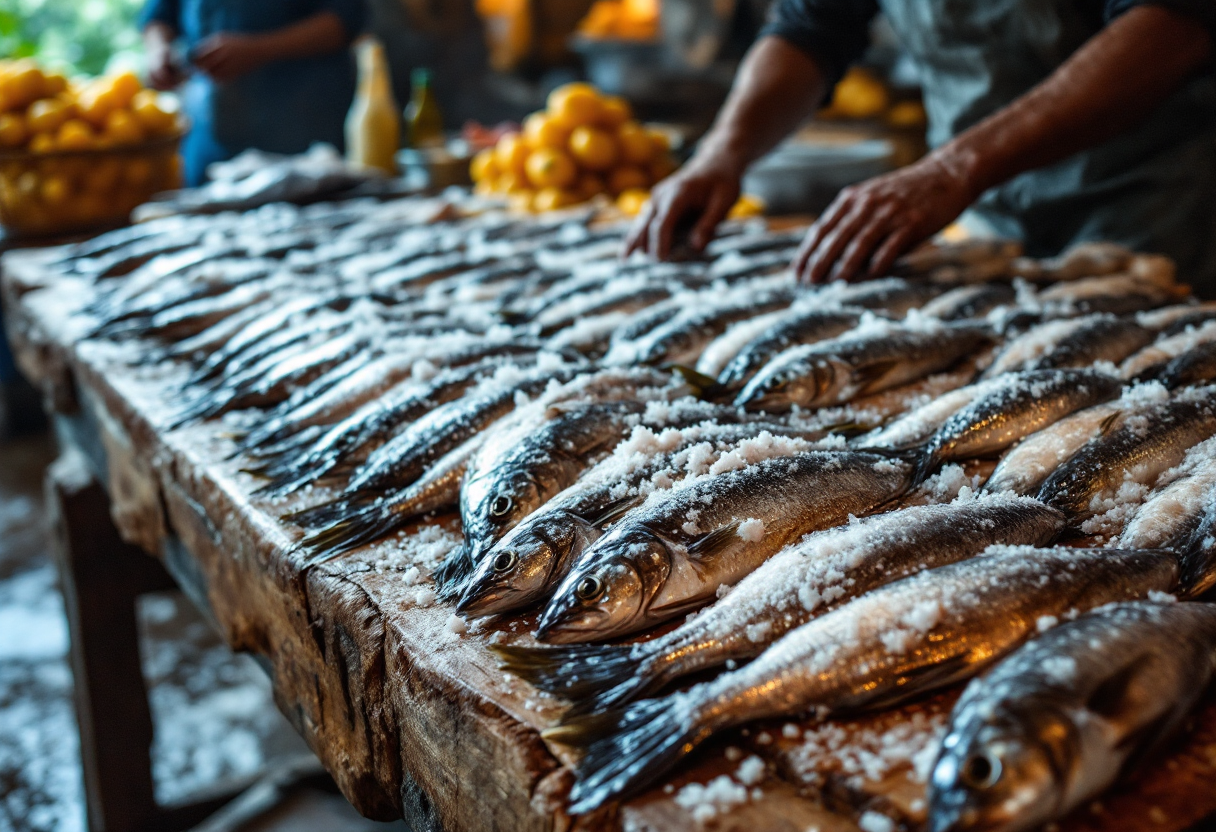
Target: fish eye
x,y
981,771
500,506
589,588
504,562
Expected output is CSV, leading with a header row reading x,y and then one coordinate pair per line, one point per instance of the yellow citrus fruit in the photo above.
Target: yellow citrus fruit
x,y
96,102
13,130
122,127
42,143
483,168
542,130
632,201
614,111
593,149
154,112
907,115
549,168
575,105
521,201
124,86
47,115
637,148
660,140
54,191
510,182
55,84
589,185
484,188
627,178
25,84
662,167
550,199
511,153
75,134
746,206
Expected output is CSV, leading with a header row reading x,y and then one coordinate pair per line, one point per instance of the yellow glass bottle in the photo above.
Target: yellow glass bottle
x,y
373,128
423,119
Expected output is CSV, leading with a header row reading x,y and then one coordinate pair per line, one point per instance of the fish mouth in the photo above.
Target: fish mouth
x,y
491,598
571,624
762,401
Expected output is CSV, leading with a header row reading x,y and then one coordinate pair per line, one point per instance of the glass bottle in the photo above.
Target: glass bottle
x,y
423,121
373,128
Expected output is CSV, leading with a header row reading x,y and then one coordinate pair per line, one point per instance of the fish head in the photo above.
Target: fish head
x,y
516,571
775,391
492,505
1003,770
608,594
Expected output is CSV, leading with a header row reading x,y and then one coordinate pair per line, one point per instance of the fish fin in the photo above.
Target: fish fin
x,y
572,672
1108,424
1111,699
612,512
913,683
1197,558
646,740
454,572
872,373
704,386
320,515
359,527
711,543
926,462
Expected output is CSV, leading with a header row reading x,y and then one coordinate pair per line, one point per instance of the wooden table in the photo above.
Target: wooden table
x,y
412,718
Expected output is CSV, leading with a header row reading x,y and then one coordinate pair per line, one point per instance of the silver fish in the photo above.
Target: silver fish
x,y
796,328
667,558
917,634
974,301
1195,366
1024,467
1142,447
1069,713
1077,342
836,371
799,583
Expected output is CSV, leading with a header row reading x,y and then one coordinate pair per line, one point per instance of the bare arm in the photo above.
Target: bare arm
x,y
776,88
158,44
229,55
1109,85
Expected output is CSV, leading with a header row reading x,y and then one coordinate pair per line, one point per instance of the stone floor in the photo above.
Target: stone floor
x,y
214,715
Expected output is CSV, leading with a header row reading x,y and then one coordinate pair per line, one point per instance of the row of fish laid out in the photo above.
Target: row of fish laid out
x,y
417,356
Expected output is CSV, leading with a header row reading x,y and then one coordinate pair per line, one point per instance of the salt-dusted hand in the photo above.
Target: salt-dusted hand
x,y
229,55
869,225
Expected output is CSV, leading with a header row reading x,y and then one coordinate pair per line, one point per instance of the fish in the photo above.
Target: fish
x,y
915,635
973,301
917,426
1142,447
1116,294
528,563
891,296
1016,405
671,556
803,581
1066,715
1151,361
866,360
801,327
1195,366
1171,320
1077,342
1023,468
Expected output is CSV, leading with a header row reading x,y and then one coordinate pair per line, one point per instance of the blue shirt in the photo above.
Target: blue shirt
x,y
1153,188
282,107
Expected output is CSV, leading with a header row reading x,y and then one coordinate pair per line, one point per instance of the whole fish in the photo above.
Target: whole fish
x,y
1016,405
1170,320
974,301
526,566
901,640
917,426
1142,447
671,556
1149,362
868,360
1195,366
1075,342
799,583
1067,714
795,328
892,296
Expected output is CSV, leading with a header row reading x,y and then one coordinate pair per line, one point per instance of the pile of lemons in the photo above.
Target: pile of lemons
x,y
582,145
45,116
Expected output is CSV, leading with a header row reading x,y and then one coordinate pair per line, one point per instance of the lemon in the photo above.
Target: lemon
x,y
575,105
483,168
632,201
593,149
155,112
122,127
75,134
123,87
550,199
549,168
47,115
614,111
637,148
627,178
13,130
511,153
542,130
96,102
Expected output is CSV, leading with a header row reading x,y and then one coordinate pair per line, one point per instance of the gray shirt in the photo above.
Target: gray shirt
x,y
1152,188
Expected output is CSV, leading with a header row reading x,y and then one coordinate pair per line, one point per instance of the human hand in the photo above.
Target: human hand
x,y
228,55
703,191
869,225
163,71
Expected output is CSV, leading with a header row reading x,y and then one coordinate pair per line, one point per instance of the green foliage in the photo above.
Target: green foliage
x,y
73,36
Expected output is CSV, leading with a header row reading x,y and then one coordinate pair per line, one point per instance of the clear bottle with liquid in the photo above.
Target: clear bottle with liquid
x,y
373,128
423,120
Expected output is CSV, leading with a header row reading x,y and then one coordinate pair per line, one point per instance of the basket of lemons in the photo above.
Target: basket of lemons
x,y
582,146
77,155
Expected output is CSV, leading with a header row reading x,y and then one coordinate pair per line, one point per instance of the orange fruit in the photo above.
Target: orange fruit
x,y
589,185
632,201
614,111
746,206
521,201
593,149
13,130
25,84
511,153
549,168
542,130
575,105
42,143
510,182
662,167
485,188
47,115
96,102
122,127
637,148
155,112
660,140
626,178
483,168
550,199
124,86
75,134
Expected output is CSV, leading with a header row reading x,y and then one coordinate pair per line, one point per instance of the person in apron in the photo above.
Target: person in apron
x,y
1051,121
275,75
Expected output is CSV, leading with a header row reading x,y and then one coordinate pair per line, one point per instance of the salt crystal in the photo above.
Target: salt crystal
x,y
1046,622
751,771
791,731
424,596
752,530
457,625
871,821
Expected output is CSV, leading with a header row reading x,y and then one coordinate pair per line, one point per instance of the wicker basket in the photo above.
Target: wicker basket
x,y
79,190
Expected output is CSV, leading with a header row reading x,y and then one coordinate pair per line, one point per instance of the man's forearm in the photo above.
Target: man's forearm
x,y
319,34
776,88
1107,87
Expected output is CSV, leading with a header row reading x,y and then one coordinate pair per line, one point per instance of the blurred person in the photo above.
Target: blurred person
x,y
276,75
1051,122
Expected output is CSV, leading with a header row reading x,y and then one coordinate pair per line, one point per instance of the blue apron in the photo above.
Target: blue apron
x,y
1152,188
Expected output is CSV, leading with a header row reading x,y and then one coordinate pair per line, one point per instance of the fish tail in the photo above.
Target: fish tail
x,y
453,573
629,750
324,514
574,672
360,526
1197,558
924,463
703,386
